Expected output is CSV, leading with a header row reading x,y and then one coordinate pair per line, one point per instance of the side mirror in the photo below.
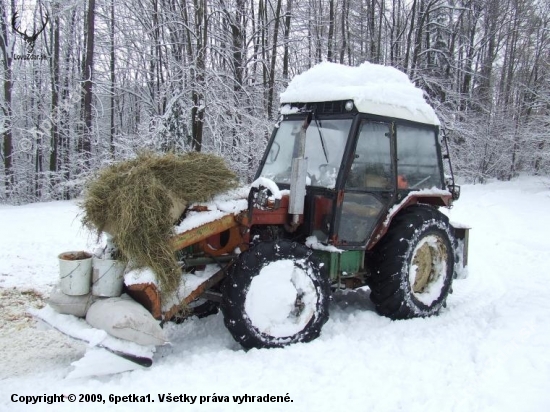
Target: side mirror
x,y
455,191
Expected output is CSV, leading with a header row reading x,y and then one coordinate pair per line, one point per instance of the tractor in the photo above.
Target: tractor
x,y
345,197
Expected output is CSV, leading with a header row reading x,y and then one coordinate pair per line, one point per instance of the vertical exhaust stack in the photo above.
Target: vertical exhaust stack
x,y
297,189
298,176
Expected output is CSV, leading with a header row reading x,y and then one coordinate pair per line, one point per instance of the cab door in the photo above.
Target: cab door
x,y
369,185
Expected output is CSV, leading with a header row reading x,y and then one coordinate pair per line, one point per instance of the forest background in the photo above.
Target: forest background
x,y
105,80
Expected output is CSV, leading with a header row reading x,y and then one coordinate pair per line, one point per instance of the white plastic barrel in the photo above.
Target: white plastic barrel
x,y
75,272
107,277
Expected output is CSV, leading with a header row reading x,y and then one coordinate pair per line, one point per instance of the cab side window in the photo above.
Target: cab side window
x,y
417,158
371,167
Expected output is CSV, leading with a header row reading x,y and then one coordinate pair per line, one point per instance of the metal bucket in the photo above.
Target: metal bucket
x,y
75,272
107,277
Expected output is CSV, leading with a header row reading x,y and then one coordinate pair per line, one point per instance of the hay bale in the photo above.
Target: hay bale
x,y
137,202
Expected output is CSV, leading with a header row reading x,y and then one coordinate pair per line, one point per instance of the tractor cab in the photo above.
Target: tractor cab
x,y
357,166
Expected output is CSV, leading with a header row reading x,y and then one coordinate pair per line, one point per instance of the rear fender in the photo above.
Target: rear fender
x,y
434,197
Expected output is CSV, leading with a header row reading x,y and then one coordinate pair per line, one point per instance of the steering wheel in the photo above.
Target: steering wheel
x,y
420,182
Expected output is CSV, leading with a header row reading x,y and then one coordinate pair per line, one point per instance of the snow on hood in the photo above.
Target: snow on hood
x,y
375,89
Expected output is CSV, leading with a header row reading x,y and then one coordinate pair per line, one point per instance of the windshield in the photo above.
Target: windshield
x,y
325,144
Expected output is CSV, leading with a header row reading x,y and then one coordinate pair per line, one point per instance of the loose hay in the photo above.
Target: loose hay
x,y
133,201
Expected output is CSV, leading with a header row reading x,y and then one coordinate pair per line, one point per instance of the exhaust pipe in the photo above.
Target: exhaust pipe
x,y
298,176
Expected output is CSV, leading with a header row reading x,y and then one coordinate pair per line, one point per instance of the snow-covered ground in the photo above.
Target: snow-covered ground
x,y
489,350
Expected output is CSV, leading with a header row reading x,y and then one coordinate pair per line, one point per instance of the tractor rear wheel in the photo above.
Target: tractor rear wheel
x,y
277,294
413,265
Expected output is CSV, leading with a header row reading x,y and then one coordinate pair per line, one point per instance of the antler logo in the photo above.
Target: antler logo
x,y
28,39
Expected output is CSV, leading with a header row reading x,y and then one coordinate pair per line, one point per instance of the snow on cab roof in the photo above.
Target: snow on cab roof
x,y
375,89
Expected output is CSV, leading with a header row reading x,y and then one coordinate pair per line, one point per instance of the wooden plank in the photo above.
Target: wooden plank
x,y
211,281
192,236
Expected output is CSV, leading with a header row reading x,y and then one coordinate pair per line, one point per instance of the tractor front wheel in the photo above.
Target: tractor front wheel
x,y
277,294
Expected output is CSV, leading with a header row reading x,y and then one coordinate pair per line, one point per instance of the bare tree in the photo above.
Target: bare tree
x,y
87,81
6,48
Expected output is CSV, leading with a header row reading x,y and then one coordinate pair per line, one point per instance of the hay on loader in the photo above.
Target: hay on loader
x,y
137,202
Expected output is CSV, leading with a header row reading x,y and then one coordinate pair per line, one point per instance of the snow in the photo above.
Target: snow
x,y
38,232
98,361
80,329
374,89
224,204
434,191
269,184
487,351
314,243
140,275
190,282
272,296
288,109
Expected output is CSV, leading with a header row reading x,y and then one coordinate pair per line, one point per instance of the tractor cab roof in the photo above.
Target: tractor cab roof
x,y
374,89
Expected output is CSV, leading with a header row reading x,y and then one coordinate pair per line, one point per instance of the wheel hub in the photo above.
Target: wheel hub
x,y
299,305
428,260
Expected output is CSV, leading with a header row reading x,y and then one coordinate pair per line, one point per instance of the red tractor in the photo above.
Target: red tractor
x,y
345,197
